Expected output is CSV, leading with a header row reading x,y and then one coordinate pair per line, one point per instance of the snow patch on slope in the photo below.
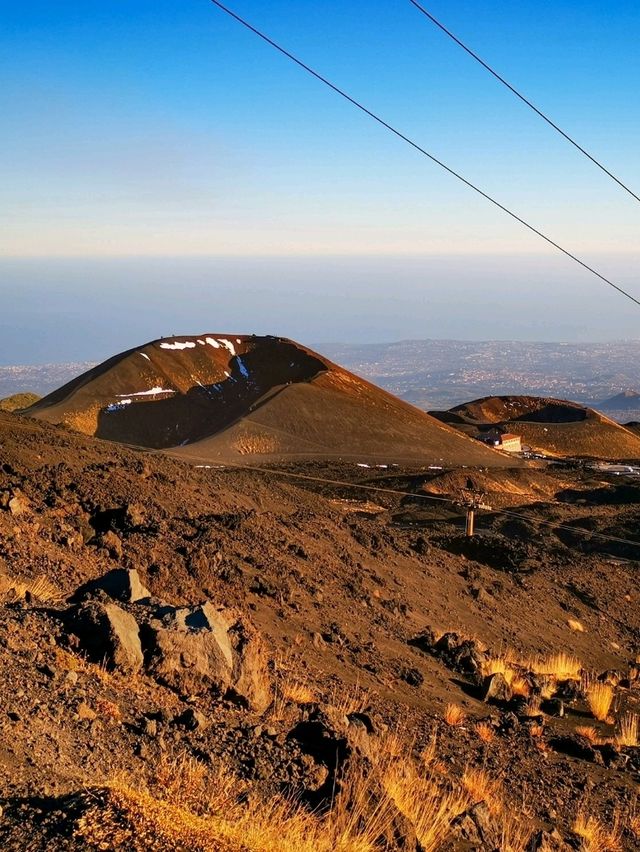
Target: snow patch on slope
x,y
179,344
150,392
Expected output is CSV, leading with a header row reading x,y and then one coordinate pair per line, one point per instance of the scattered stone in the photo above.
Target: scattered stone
x,y
424,641
18,504
412,676
112,543
134,516
447,642
576,745
85,713
474,826
192,719
363,721
612,756
553,707
548,841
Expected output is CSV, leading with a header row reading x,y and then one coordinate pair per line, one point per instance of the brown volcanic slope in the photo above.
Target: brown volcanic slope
x,y
554,426
339,594
215,398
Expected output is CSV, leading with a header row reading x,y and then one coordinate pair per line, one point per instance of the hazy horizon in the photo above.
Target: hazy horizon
x,y
78,309
164,171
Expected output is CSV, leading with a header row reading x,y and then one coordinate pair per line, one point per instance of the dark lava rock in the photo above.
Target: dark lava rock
x,y
548,841
553,707
474,826
412,676
575,745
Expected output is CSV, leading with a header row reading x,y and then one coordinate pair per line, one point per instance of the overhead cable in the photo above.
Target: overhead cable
x,y
524,100
423,151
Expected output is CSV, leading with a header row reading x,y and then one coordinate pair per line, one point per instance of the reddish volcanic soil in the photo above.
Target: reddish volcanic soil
x,y
343,587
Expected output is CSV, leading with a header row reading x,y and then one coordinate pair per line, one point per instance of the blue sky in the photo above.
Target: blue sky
x,y
146,130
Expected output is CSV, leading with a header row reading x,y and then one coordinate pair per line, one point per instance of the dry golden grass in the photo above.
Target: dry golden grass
x,y
589,732
599,699
430,805
40,589
75,663
481,787
628,730
515,835
536,731
595,836
533,706
454,715
520,686
500,665
289,687
575,625
634,822
298,692
354,699
108,710
189,807
485,731
562,666
248,445
549,687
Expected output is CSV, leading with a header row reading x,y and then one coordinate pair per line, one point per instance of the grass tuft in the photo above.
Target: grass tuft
x,y
628,730
599,699
562,666
594,835
454,715
485,731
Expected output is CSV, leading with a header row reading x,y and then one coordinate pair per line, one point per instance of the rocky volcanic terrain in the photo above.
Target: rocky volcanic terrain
x,y
220,659
250,620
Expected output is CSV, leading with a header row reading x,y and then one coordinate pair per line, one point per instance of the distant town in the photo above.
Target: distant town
x,y
438,374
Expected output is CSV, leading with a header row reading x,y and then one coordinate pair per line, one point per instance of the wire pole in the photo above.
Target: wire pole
x,y
469,529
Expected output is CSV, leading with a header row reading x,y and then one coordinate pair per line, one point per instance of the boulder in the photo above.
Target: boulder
x,y
107,634
204,648
553,707
495,688
120,584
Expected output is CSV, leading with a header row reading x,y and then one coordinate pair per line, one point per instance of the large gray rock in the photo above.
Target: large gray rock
x,y
108,634
204,648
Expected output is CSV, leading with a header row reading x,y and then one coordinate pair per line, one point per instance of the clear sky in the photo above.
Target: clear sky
x,y
134,131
